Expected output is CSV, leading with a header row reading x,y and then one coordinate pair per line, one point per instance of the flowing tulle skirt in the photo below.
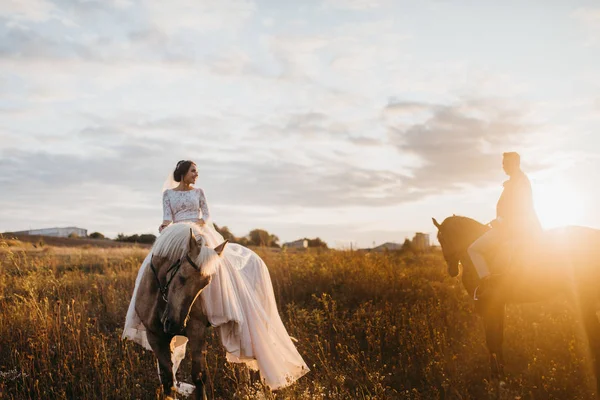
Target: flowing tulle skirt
x,y
240,303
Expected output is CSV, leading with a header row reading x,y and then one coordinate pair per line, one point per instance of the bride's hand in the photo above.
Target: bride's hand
x,y
161,227
201,222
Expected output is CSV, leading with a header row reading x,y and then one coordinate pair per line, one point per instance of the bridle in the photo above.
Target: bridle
x,y
175,268
455,254
458,252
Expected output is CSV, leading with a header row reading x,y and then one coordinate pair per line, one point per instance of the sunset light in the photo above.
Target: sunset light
x,y
558,204
340,199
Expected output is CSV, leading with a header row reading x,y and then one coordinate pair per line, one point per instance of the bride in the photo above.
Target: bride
x,y
239,301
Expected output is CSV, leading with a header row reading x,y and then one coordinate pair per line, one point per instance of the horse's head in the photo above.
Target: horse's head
x,y
455,235
449,250
184,280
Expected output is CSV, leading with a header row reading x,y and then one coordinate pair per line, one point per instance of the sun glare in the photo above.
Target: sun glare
x,y
558,204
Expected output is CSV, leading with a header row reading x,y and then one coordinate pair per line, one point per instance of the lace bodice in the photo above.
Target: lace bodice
x,y
189,205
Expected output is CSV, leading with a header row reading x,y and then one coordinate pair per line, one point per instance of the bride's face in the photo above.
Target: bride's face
x,y
191,175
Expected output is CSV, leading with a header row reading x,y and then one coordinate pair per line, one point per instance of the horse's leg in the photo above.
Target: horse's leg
x,y
196,330
592,329
493,319
161,345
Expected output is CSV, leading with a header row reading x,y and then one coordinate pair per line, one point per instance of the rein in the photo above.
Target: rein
x,y
175,268
456,253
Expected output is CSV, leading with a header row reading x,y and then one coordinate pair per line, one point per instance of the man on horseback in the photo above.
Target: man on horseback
x,y
516,221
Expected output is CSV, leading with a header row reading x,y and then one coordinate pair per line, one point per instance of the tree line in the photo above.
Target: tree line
x,y
262,238
256,237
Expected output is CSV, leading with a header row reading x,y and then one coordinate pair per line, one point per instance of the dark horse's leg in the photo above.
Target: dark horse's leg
x,y
493,319
161,345
592,329
196,332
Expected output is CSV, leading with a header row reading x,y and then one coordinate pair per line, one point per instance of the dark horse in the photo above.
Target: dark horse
x,y
564,261
180,267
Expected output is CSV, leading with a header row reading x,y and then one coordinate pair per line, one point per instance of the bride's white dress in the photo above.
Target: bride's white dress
x,y
239,302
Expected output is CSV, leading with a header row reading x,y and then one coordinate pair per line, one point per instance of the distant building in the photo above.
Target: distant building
x,y
56,232
388,246
421,241
296,244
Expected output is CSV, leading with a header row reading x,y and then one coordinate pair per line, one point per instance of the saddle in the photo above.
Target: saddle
x,y
515,256
526,270
533,256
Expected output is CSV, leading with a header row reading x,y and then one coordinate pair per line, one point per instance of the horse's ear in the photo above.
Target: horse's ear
x,y
437,224
193,243
219,249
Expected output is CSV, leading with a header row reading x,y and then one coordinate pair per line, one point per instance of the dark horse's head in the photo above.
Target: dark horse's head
x,y
455,235
183,280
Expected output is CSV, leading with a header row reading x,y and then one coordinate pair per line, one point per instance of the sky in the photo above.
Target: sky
x,y
355,121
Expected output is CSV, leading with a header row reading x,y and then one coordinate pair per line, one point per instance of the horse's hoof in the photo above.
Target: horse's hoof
x,y
172,395
185,389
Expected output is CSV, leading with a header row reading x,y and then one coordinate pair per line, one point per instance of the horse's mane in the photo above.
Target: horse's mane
x,y
458,227
459,221
173,244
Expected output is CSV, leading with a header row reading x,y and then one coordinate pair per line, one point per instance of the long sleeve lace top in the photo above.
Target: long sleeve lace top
x,y
189,205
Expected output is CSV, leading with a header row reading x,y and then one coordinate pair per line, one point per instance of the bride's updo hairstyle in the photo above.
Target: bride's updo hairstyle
x,y
181,169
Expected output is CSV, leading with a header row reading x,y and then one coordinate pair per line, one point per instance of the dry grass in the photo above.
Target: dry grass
x,y
371,326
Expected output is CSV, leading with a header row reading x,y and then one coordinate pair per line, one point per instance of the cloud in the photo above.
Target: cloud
x,y
402,108
201,16
68,13
133,163
446,147
233,62
29,10
589,22
50,171
298,54
355,5
26,43
341,53
460,144
305,162
366,141
311,124
120,31
99,131
588,15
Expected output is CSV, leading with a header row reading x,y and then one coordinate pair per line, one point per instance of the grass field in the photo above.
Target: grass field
x,y
370,326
